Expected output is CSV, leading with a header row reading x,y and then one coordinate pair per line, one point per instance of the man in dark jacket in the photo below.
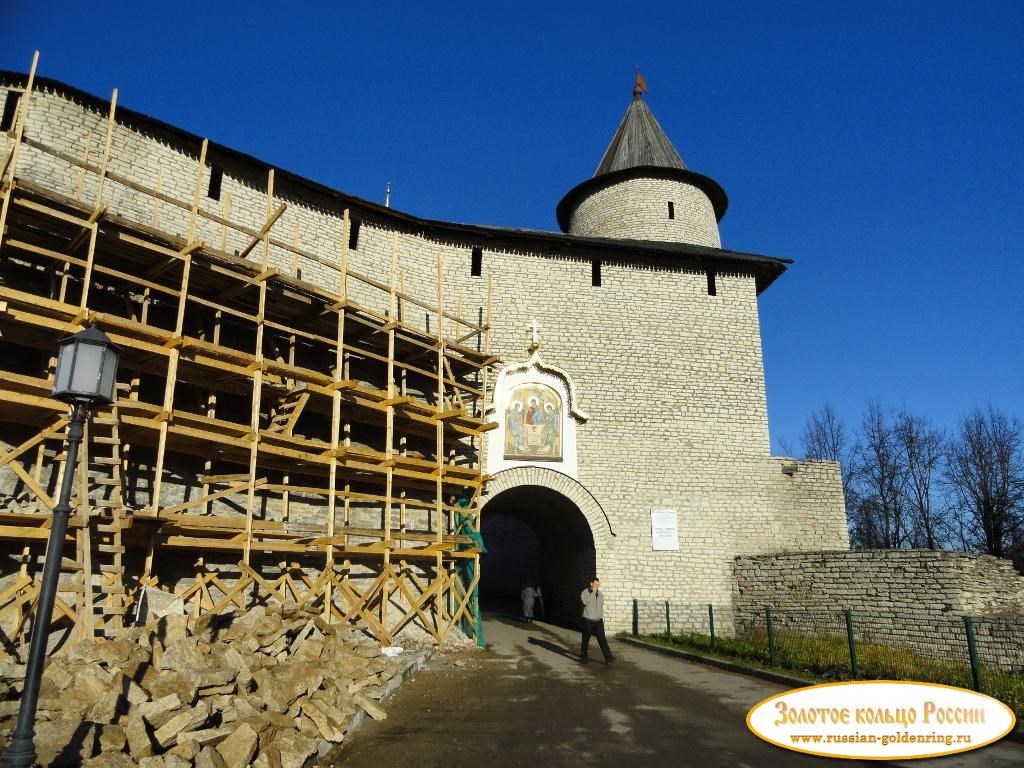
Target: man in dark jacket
x,y
593,620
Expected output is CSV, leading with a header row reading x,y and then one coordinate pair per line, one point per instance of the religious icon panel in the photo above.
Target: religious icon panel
x,y
533,423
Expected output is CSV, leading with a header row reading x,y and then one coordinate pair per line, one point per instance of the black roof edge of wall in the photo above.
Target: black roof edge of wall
x,y
765,269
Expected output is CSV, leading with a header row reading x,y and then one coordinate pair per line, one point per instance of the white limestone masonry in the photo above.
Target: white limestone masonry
x,y
638,209
899,598
670,377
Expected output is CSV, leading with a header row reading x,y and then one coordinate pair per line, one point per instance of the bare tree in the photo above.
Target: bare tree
x,y
878,477
864,521
986,474
922,450
786,447
825,436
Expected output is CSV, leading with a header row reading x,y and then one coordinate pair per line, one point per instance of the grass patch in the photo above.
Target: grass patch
x,y
828,659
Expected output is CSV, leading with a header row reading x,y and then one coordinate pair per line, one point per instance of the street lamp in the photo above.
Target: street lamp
x,y
86,374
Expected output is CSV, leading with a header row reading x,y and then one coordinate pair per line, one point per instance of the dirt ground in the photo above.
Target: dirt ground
x,y
527,701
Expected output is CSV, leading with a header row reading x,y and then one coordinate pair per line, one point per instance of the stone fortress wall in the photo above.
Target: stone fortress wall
x,y
671,376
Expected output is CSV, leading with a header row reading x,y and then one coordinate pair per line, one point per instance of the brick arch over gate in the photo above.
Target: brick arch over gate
x,y
593,512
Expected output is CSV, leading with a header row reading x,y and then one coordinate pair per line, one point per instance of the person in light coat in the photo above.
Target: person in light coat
x,y
531,596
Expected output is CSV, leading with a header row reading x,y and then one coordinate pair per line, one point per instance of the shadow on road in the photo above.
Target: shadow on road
x,y
553,648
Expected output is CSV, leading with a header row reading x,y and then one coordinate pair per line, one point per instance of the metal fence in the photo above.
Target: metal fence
x,y
983,653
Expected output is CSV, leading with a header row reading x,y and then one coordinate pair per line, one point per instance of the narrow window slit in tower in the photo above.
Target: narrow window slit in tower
x,y
10,109
595,273
353,234
216,177
671,209
476,267
712,283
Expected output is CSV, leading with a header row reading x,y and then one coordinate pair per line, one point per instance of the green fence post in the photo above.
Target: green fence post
x,y
636,619
972,652
668,622
711,623
771,635
852,643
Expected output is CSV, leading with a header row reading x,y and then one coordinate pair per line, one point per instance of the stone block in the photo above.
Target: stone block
x,y
244,708
308,649
73,704
108,708
328,728
110,760
183,655
187,749
138,662
262,760
239,748
84,651
64,743
112,738
159,711
207,737
57,672
210,758
133,692
268,722
161,684
172,628
371,708
276,692
210,626
158,604
294,748
93,681
235,661
182,723
140,742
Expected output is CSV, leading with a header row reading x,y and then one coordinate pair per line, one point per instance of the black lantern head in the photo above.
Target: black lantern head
x,y
86,368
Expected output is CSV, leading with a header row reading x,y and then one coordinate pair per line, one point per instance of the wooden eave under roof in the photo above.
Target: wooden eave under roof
x,y
644,253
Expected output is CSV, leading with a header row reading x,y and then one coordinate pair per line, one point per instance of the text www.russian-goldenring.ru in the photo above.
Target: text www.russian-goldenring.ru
x,y
884,740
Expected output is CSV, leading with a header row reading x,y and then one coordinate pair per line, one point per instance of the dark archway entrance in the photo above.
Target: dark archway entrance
x,y
533,532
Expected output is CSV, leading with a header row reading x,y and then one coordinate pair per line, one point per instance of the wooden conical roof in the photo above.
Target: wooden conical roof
x,y
638,142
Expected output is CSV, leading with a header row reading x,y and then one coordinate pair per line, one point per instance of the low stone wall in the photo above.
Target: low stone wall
x,y
912,598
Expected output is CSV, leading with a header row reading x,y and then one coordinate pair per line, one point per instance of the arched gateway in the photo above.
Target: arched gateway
x,y
544,526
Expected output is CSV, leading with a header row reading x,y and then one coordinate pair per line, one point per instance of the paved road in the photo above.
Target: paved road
x,y
527,701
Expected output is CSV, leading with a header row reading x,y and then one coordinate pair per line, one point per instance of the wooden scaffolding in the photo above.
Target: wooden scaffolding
x,y
272,440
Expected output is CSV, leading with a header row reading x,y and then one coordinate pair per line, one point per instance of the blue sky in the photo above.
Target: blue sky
x,y
879,145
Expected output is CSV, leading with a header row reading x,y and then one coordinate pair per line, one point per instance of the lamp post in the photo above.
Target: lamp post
x,y
86,373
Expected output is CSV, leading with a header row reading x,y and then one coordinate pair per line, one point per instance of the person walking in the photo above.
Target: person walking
x,y
593,620
530,597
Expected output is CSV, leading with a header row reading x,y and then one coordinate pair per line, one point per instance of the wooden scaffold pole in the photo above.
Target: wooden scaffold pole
x,y
389,428
441,523
257,374
174,343
10,162
338,377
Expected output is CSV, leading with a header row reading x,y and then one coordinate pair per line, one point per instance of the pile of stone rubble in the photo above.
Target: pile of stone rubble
x,y
263,687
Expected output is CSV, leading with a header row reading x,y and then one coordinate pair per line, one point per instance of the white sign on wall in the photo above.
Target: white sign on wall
x,y
664,529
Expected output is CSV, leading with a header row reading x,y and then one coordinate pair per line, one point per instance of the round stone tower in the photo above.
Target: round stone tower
x,y
642,190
